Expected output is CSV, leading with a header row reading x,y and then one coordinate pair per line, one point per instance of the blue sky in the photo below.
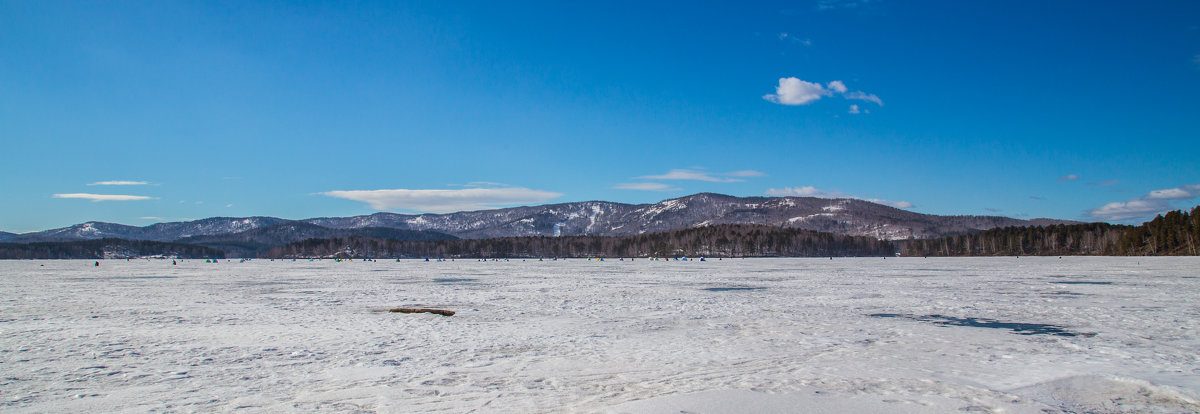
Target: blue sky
x,y
138,112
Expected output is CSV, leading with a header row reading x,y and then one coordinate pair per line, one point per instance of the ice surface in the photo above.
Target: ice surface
x,y
755,335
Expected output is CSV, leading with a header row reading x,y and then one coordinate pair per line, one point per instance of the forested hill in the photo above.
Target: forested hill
x,y
106,249
731,240
1175,233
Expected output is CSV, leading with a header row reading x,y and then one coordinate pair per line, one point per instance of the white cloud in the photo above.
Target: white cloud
x,y
793,91
806,191
863,96
854,109
153,218
841,4
445,201
1068,177
118,182
745,173
1180,193
810,191
102,197
1145,207
646,187
685,174
1128,210
786,36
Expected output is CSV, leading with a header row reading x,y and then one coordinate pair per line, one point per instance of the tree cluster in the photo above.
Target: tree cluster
x,y
106,249
1175,233
728,240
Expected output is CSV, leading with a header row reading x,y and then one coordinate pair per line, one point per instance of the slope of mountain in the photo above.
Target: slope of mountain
x,y
156,232
598,218
250,242
594,218
4,235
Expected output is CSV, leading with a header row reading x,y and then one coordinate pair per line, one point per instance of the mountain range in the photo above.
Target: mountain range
x,y
592,218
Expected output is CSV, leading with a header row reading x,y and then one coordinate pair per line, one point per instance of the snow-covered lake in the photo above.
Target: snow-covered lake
x,y
1010,334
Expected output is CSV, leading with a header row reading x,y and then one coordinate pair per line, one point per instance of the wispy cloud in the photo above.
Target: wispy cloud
x,y
1146,206
1039,198
794,91
445,201
120,182
843,4
480,184
810,191
697,175
1068,177
854,110
646,187
790,38
745,173
102,197
863,96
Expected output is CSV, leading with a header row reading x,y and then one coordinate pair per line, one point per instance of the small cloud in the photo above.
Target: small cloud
x,y
229,205
1105,183
745,173
695,175
1145,207
1128,210
102,197
824,5
806,191
863,96
1068,177
445,201
793,91
152,218
1037,198
120,183
790,38
474,184
1180,193
992,210
646,187
810,191
854,109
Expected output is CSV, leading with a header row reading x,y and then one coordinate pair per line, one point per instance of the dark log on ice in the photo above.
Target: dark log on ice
x,y
442,312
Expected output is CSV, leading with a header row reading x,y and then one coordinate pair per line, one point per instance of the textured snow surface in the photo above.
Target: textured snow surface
x,y
906,335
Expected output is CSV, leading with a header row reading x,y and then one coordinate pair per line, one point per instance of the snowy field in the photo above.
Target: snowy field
x,y
1023,335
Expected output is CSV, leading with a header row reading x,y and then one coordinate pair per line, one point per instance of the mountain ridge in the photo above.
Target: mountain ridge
x,y
845,216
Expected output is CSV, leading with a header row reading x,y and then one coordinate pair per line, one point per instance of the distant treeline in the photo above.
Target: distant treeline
x,y
727,240
106,249
1175,233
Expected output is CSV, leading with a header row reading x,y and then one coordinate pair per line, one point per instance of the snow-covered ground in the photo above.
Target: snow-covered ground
x,y
758,335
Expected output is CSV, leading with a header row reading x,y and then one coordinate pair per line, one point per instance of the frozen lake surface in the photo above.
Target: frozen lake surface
x,y
757,335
